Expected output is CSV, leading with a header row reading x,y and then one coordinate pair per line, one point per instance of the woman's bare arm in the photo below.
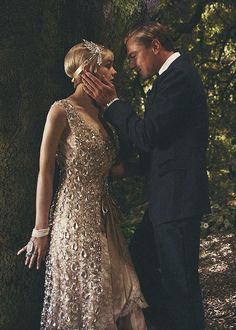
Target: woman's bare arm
x,y
54,127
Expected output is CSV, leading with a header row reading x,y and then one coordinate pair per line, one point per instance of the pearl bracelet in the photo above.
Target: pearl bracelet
x,y
40,232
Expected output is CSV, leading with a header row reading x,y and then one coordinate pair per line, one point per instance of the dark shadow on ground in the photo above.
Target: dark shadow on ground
x,y
218,278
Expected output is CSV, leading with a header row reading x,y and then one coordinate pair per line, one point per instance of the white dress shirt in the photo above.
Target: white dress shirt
x,y
168,62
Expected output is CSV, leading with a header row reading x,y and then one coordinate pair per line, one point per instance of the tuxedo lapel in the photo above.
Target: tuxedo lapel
x,y
179,62
151,93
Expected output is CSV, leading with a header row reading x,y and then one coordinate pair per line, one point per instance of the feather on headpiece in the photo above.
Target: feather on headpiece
x,y
95,51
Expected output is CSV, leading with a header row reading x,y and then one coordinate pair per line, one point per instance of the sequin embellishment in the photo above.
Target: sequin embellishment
x,y
78,285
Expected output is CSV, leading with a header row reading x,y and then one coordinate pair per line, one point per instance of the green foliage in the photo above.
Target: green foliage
x,y
222,219
211,44
126,8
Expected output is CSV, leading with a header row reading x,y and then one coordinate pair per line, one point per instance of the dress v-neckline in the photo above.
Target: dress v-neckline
x,y
91,127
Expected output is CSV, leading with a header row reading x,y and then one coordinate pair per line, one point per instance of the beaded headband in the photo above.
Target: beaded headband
x,y
95,51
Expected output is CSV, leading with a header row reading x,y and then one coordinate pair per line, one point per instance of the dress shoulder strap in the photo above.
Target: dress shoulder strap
x,y
73,118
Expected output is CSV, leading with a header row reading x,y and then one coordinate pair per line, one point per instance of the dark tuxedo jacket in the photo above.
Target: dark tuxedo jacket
x,y
174,134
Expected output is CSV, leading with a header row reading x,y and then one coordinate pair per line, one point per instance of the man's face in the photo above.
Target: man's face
x,y
142,58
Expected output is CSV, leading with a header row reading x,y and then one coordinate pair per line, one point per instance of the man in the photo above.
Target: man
x,y
174,132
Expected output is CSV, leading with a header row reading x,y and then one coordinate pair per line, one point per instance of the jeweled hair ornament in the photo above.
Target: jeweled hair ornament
x,y
95,51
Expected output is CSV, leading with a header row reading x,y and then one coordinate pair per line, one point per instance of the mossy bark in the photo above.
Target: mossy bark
x,y
35,36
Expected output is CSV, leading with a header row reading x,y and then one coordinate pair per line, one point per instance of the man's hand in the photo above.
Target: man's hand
x,y
103,92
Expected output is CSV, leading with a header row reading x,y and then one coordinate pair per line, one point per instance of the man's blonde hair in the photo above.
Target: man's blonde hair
x,y
145,34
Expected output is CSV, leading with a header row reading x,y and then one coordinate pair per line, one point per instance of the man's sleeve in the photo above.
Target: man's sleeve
x,y
168,113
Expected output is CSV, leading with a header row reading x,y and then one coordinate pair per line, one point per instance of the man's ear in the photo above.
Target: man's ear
x,y
156,46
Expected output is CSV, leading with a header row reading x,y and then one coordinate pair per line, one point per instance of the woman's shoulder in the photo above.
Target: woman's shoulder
x,y
67,105
57,111
62,106
65,110
58,105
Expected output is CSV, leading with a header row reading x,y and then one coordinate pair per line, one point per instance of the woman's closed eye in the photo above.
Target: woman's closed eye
x,y
108,64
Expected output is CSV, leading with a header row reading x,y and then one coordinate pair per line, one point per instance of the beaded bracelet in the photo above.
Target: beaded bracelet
x,y
40,232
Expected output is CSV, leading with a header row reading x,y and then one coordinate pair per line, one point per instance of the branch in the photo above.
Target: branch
x,y
187,27
225,68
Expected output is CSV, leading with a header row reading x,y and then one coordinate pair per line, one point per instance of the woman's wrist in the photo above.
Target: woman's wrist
x,y
40,232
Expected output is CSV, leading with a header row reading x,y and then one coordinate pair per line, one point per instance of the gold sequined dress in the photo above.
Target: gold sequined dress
x,y
90,281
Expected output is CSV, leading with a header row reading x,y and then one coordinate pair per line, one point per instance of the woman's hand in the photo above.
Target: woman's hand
x,y
36,250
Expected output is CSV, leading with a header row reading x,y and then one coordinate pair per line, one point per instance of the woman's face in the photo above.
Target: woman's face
x,y
106,68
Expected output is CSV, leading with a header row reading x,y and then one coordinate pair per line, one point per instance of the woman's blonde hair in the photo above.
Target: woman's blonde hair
x,y
78,56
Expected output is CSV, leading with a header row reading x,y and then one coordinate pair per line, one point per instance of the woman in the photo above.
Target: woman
x,y
90,280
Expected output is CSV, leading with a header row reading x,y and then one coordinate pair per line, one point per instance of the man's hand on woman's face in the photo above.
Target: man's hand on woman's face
x,y
102,91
